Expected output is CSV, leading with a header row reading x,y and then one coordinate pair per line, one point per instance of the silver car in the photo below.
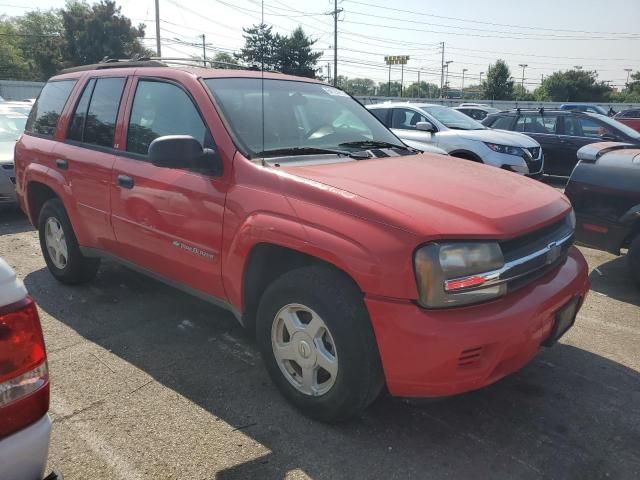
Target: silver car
x,y
461,136
12,122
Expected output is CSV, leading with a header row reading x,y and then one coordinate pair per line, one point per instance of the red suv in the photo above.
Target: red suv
x,y
354,259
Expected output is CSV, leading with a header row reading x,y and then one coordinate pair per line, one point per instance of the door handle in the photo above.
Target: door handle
x,y
62,164
125,181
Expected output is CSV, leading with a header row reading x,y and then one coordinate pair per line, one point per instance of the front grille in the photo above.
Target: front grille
x,y
520,248
535,152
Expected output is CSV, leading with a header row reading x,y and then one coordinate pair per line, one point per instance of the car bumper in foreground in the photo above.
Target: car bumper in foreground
x,y
23,455
430,353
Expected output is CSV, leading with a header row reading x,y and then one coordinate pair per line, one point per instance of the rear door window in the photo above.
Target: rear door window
x,y
94,121
537,124
46,112
159,109
503,123
381,114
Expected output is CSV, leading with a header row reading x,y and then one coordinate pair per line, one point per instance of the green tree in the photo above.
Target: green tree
x,y
258,47
423,90
225,61
12,62
522,94
42,42
301,59
95,32
358,86
498,84
574,86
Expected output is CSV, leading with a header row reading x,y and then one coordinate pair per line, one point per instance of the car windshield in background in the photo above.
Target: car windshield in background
x,y
621,127
298,116
11,126
452,118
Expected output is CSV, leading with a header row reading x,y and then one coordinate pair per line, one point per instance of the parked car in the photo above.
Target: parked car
x,y
604,189
12,125
562,133
478,112
355,261
586,107
461,136
25,426
630,118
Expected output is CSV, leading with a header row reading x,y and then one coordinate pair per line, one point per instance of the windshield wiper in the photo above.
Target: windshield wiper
x,y
374,144
276,152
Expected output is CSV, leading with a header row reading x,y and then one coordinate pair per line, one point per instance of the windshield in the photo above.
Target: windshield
x,y
453,118
630,132
11,126
297,115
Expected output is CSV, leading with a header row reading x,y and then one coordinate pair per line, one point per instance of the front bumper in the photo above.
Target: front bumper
x,y
7,184
431,353
23,455
531,168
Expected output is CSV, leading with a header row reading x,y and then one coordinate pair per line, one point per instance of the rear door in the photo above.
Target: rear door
x,y
577,131
542,128
87,157
167,221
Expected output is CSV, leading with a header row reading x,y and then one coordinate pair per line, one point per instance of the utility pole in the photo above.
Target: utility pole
x,y
442,71
204,52
523,65
336,11
419,84
462,90
446,82
401,78
389,83
328,72
158,50
481,73
628,70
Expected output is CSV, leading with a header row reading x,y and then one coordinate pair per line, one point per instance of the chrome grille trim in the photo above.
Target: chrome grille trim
x,y
517,268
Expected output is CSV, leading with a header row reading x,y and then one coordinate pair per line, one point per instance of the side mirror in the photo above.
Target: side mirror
x,y
183,152
425,127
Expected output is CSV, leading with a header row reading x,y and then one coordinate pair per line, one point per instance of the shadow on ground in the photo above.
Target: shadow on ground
x,y
570,414
614,280
12,220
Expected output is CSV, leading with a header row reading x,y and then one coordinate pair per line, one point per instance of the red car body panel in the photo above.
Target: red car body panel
x,y
367,218
630,122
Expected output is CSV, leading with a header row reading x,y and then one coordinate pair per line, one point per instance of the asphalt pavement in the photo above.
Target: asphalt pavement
x,y
150,383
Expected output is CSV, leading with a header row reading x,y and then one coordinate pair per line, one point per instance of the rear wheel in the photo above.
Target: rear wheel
x,y
318,345
60,246
633,257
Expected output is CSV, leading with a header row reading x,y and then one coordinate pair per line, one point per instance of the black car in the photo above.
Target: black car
x,y
604,190
562,133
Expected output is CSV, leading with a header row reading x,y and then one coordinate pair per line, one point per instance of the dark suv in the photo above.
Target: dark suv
x,y
562,133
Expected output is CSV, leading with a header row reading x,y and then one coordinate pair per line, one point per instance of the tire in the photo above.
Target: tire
x,y
633,257
348,336
71,268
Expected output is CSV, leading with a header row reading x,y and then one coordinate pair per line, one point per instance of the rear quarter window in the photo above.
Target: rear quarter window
x,y
380,114
46,112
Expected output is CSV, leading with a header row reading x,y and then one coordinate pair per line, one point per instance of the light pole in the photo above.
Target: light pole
x,y
481,73
463,71
446,82
523,65
628,70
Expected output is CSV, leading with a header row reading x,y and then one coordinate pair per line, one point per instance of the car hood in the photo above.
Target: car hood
x,y
501,137
432,196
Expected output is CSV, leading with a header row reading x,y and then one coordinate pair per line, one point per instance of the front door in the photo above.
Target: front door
x,y
542,128
403,124
577,132
168,221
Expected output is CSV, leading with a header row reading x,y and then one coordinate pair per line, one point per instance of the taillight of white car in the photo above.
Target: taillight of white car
x,y
24,375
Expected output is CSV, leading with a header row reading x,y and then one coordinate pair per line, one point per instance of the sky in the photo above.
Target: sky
x,y
546,35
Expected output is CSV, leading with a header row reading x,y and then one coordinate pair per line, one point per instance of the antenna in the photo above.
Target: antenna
x,y
262,76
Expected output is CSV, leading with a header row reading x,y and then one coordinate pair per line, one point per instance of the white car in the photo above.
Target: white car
x,y
12,124
25,427
461,136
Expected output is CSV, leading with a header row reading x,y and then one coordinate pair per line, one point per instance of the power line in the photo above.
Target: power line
x,y
475,21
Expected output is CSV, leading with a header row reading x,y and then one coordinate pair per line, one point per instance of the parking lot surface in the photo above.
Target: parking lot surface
x,y
150,383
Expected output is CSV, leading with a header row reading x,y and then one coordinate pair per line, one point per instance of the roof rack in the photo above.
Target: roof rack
x,y
106,63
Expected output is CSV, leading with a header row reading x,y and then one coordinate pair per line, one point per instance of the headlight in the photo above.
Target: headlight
x,y
452,274
507,149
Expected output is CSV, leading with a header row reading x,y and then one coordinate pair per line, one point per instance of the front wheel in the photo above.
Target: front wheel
x,y
318,345
634,259
60,246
